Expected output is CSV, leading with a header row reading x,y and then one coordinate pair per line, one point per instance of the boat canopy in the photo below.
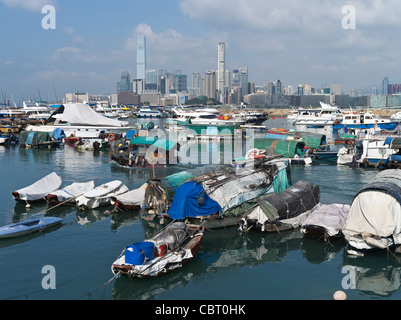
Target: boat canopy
x,y
81,114
376,210
143,140
164,144
393,142
288,148
190,200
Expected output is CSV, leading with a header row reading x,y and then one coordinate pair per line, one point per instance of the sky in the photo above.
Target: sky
x,y
316,42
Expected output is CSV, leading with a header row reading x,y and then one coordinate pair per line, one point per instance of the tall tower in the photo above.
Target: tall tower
x,y
221,70
385,86
141,57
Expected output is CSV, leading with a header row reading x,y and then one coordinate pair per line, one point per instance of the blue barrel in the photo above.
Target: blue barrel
x,y
134,256
147,248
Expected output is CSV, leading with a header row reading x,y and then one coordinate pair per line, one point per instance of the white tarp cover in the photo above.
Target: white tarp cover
x,y
83,114
40,188
376,211
133,197
373,212
73,190
329,216
92,203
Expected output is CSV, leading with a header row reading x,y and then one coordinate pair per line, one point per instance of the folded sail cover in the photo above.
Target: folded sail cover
x,y
190,200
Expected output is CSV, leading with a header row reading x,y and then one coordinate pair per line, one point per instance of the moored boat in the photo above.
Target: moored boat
x,y
374,219
38,190
172,248
101,195
131,200
29,226
325,221
68,194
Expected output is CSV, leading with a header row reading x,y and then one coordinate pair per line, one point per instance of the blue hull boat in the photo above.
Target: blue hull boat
x,y
29,226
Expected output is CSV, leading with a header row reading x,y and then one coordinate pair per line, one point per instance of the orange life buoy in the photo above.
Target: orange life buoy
x,y
111,137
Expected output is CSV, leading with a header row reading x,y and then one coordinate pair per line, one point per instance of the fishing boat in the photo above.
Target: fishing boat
x,y
148,152
80,120
282,211
131,200
101,195
68,194
41,140
374,219
29,226
38,190
172,248
325,221
218,198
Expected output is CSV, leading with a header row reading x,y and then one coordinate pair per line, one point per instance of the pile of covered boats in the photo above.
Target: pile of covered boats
x,y
258,196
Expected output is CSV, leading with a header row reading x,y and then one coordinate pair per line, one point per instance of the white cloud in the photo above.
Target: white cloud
x,y
31,5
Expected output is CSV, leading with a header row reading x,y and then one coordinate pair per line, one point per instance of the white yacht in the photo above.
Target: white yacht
x,y
35,111
206,116
82,121
323,115
147,112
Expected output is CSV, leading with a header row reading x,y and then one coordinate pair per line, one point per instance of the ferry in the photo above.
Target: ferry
x,y
147,112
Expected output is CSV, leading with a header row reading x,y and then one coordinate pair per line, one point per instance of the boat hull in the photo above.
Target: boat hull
x,y
27,227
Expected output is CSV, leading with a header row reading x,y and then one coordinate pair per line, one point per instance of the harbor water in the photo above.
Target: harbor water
x,y
229,266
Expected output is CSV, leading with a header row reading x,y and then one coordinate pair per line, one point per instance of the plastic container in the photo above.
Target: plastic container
x,y
134,256
147,247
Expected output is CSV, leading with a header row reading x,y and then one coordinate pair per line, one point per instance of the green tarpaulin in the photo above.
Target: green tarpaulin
x,y
287,148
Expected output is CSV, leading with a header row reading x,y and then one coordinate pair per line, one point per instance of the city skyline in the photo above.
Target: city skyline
x,y
297,43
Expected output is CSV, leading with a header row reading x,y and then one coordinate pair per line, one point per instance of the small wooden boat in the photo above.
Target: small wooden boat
x,y
173,247
38,190
25,227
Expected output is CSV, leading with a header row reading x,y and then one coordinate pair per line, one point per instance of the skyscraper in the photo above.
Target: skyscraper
x,y
140,57
125,83
385,86
210,84
221,70
243,80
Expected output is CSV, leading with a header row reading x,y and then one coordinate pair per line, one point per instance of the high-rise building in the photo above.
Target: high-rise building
x,y
180,83
243,80
385,86
125,84
197,84
140,57
152,79
221,70
210,84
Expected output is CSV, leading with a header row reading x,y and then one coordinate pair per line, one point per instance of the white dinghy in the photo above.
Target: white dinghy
x,y
38,190
101,195
69,193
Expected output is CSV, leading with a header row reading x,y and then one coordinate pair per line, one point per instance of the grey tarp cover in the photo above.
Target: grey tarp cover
x,y
40,188
173,235
247,185
286,206
331,217
376,210
83,114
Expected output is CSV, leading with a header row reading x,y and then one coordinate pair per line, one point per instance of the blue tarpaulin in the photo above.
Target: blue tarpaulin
x,y
190,200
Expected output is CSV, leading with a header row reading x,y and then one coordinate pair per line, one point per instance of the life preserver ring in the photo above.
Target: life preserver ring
x,y
111,137
252,153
